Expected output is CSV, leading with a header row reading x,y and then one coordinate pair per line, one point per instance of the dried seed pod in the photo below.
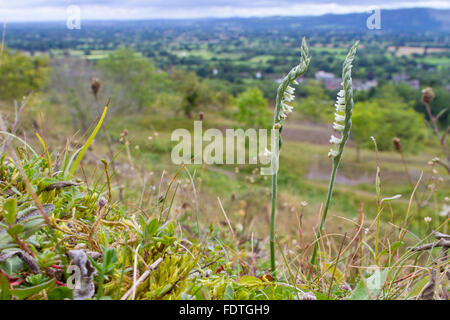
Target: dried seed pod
x,y
95,86
427,95
397,144
201,115
60,185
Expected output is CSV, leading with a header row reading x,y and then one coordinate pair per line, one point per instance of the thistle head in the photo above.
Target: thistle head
x,y
427,95
397,144
344,108
95,86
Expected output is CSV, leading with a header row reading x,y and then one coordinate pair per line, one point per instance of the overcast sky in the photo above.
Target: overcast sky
x,y
51,10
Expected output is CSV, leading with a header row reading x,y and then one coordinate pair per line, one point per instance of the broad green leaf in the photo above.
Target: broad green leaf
x,y
250,281
152,227
229,293
24,293
370,288
4,288
16,229
32,224
12,266
10,207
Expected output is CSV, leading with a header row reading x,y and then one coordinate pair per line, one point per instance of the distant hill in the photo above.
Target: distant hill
x,y
400,23
403,20
415,20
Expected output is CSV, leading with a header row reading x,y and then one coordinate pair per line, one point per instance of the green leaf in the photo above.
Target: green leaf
x,y
418,287
87,144
32,224
10,208
229,293
393,248
370,288
12,266
60,293
4,288
27,292
16,229
152,227
250,281
321,296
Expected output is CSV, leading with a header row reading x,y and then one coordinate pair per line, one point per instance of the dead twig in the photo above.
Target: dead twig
x,y
141,279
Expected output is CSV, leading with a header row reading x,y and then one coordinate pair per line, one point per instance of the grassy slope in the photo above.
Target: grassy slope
x,y
145,172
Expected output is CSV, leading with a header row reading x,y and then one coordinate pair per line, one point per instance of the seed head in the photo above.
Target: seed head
x,y
397,144
427,95
95,86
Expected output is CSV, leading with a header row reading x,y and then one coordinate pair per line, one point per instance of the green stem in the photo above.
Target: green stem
x,y
272,222
295,72
325,211
377,232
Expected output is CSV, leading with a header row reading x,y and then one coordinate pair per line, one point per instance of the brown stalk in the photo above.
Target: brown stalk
x,y
335,265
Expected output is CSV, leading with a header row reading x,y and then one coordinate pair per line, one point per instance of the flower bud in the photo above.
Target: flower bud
x,y
102,202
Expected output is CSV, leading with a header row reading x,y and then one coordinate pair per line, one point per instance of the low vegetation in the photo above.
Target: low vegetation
x,y
98,211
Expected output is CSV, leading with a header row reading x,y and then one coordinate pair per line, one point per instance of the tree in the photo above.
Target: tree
x,y
135,74
195,93
316,105
253,108
385,119
20,74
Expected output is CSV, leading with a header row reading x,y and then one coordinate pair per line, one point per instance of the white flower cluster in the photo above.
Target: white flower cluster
x,y
288,96
338,125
